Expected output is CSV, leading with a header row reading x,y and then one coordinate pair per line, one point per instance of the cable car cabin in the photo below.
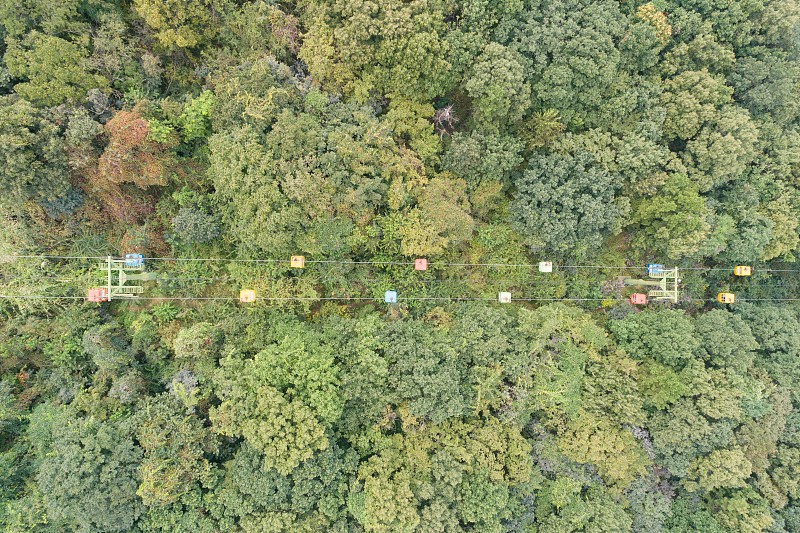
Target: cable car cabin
x,y
97,294
134,261
726,298
390,297
297,261
504,297
545,266
654,269
420,264
742,271
638,298
247,296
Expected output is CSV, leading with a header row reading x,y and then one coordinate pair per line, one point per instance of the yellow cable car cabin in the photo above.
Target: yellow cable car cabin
x,y
726,298
742,271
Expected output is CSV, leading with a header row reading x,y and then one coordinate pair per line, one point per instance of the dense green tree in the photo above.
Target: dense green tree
x,y
681,434
722,148
572,55
240,169
32,153
312,496
114,53
612,388
667,336
566,203
764,82
80,138
52,19
393,483
782,211
285,430
391,47
646,37
776,331
174,447
614,451
483,503
674,222
691,99
727,340
195,226
482,156
743,510
251,95
305,170
752,237
689,515
248,489
719,469
660,385
51,70
413,122
562,340
107,347
424,372
88,477
195,121
703,52
441,218
253,27
566,506
279,400
650,504
497,85
181,24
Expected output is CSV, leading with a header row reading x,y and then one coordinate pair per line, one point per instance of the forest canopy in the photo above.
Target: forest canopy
x,y
218,138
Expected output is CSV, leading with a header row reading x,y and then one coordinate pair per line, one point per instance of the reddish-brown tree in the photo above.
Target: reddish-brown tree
x,y
131,157
130,164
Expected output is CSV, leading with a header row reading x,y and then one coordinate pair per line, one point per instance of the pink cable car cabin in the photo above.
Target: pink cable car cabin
x,y
638,298
97,294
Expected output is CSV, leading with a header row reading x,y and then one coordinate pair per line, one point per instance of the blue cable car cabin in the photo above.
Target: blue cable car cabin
x,y
134,261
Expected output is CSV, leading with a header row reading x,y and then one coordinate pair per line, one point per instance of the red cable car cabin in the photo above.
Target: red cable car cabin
x,y
638,298
97,294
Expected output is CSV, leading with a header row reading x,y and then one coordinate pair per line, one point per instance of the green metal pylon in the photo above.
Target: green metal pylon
x,y
666,280
118,274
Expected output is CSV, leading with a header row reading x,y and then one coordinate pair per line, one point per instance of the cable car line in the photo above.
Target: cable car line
x,y
662,282
395,263
367,298
311,298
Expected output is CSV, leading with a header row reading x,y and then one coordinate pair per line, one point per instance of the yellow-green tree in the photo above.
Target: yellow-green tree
x,y
181,24
50,70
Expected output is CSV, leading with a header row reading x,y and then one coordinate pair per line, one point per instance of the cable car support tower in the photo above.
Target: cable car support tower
x,y
665,279
118,273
